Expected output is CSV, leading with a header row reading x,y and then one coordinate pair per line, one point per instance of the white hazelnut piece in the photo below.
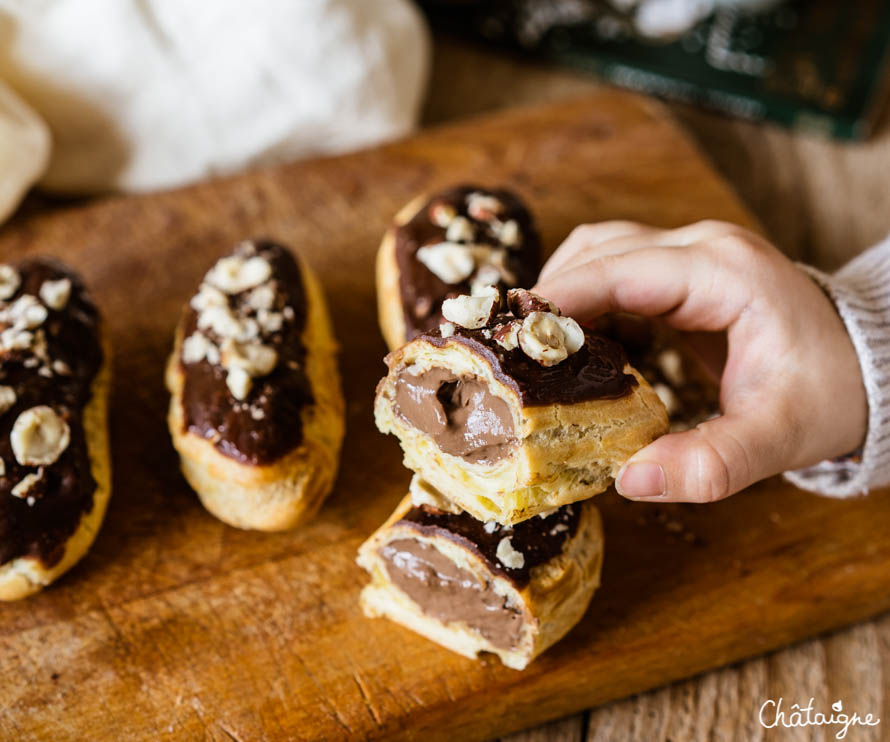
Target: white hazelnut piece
x,y
523,302
442,214
473,312
508,556
26,485
549,339
449,262
195,348
255,359
507,336
39,436
55,294
508,233
9,281
26,312
460,230
2,468
234,274
262,297
239,383
446,329
207,297
483,207
7,398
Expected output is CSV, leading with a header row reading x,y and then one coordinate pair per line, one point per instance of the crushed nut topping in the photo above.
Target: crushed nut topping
x,y
39,436
450,262
442,214
484,207
27,485
523,302
460,230
238,311
508,556
7,398
446,329
10,280
473,312
507,336
234,273
549,339
55,294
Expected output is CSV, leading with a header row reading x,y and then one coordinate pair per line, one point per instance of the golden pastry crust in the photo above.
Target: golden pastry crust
x,y
24,576
564,452
390,312
289,491
553,601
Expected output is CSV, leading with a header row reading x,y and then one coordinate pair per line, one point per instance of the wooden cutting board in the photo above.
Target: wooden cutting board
x,y
178,627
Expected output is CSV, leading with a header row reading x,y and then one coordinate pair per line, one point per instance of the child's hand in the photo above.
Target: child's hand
x,y
791,391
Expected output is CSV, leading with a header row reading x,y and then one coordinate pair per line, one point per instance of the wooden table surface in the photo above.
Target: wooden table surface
x,y
822,202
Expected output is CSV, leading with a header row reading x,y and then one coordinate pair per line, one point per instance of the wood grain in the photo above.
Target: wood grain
x,y
821,201
178,627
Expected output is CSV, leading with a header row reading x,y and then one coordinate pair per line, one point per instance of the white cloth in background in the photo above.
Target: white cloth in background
x,y
146,94
861,293
24,149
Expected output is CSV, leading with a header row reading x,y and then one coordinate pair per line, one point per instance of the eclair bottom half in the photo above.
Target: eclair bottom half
x,y
481,587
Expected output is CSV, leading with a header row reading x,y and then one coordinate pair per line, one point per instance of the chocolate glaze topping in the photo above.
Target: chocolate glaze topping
x,y
422,292
268,422
537,539
595,371
59,374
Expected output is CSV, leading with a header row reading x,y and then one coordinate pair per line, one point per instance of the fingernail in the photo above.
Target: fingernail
x,y
641,481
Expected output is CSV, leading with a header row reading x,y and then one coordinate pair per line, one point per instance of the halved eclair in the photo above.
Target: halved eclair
x,y
480,587
515,413
55,470
440,246
256,411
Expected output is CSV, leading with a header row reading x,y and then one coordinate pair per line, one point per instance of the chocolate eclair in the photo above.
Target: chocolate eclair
x,y
477,587
516,412
256,411
55,471
441,246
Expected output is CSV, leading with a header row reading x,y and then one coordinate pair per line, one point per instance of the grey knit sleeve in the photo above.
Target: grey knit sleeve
x,y
861,293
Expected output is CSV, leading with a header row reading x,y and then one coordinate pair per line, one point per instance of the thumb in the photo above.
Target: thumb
x,y
711,462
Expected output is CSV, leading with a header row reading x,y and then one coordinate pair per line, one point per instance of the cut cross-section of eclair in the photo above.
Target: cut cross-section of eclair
x,y
441,246
480,587
256,411
512,414
55,471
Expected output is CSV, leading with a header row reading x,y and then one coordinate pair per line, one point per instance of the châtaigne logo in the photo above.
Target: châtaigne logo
x,y
772,715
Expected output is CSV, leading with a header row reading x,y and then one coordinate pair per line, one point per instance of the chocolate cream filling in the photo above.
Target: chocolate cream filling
x,y
459,413
448,593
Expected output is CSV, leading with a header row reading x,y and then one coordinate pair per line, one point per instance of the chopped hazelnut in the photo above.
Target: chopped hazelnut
x,y
508,556
483,207
55,294
9,281
549,339
26,486
507,336
7,398
473,312
239,382
234,274
442,214
460,230
523,302
449,262
39,436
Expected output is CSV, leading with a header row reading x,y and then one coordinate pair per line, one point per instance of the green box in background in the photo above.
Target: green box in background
x,y
819,66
